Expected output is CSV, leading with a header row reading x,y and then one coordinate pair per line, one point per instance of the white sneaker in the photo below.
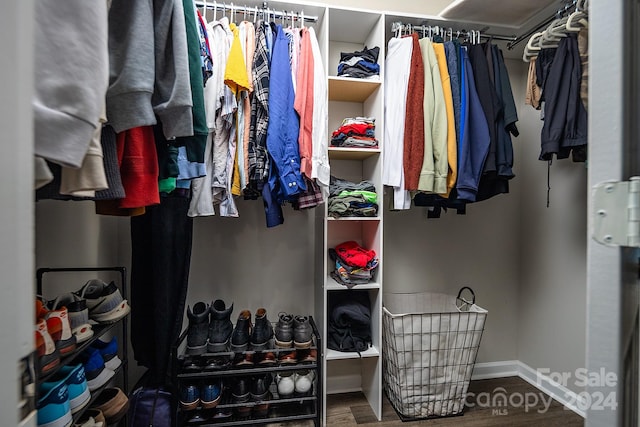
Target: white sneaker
x,y
286,385
304,382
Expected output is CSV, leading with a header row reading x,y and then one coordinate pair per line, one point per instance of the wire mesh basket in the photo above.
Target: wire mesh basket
x,y
430,343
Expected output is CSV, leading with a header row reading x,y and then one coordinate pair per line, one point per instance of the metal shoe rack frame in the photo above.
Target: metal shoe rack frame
x,y
315,398
98,331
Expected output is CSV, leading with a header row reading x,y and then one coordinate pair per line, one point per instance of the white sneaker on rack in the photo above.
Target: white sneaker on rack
x,y
286,384
304,382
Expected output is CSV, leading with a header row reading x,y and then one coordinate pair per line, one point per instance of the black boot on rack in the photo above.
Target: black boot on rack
x,y
262,330
261,395
198,325
241,333
220,327
240,394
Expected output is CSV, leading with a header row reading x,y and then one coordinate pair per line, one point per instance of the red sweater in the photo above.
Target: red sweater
x,y
414,121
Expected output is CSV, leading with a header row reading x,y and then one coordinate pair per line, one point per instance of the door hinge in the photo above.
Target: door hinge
x,y
616,213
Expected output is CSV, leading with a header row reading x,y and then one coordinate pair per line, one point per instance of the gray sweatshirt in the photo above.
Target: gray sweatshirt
x,y
171,99
71,77
131,64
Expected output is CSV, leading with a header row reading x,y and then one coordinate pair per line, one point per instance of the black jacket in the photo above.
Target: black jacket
x,y
565,118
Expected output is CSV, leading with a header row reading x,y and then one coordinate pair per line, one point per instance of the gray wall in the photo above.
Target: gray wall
x,y
552,296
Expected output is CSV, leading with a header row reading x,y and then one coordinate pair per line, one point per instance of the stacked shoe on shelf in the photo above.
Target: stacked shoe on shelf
x,y
62,324
213,344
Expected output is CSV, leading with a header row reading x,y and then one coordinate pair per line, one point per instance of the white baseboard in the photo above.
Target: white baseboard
x,y
347,383
511,368
489,370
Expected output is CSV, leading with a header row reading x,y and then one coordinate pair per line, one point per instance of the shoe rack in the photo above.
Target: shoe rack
x,y
228,367
99,330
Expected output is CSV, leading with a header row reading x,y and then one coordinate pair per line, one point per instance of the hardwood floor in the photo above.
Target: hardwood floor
x,y
352,409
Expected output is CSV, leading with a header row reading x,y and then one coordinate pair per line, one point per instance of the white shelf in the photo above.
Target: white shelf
x,y
354,218
346,153
332,285
340,355
349,89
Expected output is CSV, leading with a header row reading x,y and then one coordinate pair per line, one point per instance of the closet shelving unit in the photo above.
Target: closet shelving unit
x,y
351,30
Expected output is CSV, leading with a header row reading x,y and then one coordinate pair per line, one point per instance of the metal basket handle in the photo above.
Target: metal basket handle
x,y
462,303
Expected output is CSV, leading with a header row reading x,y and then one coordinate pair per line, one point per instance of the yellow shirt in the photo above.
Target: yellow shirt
x,y
452,149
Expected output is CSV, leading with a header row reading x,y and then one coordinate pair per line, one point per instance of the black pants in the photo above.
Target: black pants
x,y
161,255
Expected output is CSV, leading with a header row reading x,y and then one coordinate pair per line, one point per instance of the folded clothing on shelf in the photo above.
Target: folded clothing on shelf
x,y
354,265
355,132
359,64
352,199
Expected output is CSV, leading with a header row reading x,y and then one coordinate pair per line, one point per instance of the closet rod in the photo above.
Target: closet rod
x,y
254,10
462,32
529,33
545,23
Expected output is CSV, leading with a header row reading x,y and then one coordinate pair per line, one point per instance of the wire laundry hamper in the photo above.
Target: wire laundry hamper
x,y
430,343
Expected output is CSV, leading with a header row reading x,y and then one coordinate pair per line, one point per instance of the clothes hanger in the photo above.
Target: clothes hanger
x,y
302,19
204,11
532,48
578,19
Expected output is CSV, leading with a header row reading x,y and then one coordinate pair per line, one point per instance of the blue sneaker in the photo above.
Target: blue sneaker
x,y
210,395
109,353
54,409
74,377
189,397
97,374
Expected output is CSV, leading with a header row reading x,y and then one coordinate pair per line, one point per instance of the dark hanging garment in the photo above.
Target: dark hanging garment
x,y
543,65
488,100
507,116
494,184
565,118
475,139
160,259
451,51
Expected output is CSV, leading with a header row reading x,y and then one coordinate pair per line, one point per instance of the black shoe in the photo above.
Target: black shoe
x,y
217,363
198,325
302,332
220,327
260,393
225,413
284,331
242,331
262,330
240,394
